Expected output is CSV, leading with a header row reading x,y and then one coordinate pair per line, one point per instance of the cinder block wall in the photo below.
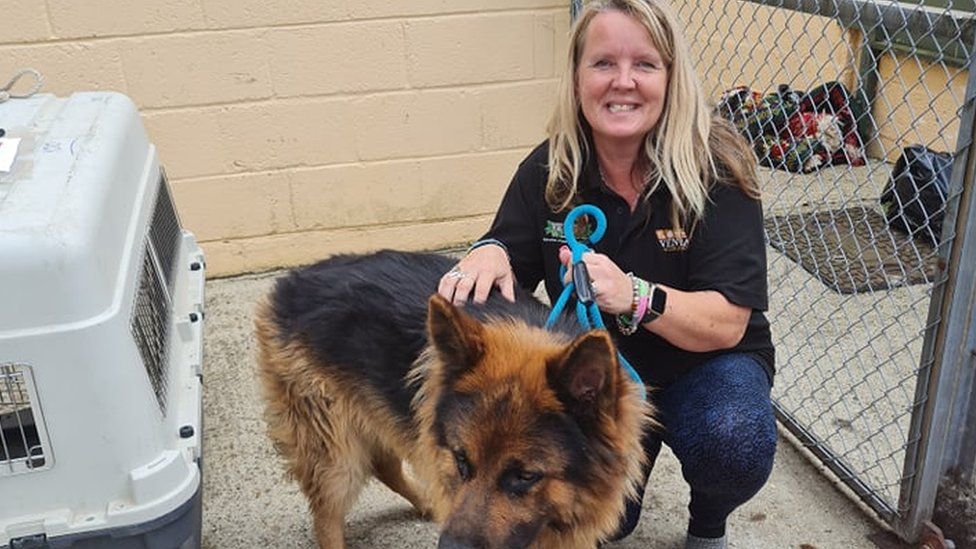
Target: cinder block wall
x,y
295,129
292,130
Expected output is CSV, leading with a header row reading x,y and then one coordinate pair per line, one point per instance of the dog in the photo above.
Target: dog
x,y
519,436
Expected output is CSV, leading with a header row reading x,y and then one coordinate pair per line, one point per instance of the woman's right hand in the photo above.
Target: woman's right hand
x,y
483,267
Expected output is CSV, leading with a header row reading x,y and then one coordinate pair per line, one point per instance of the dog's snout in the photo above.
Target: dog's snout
x,y
447,541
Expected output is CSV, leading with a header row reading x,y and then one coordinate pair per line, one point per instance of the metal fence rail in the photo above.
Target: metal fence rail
x,y
831,93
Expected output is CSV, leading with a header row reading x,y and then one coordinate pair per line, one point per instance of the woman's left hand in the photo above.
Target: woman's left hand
x,y
612,288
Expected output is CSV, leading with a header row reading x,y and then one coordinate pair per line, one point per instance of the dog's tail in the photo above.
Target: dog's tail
x,y
276,363
269,346
267,333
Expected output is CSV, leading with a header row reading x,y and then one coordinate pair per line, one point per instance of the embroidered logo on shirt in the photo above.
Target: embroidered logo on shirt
x,y
581,229
672,240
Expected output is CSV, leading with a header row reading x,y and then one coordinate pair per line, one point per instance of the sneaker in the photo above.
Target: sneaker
x,y
695,542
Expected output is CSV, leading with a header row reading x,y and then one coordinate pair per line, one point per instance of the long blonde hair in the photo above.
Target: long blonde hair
x,y
687,150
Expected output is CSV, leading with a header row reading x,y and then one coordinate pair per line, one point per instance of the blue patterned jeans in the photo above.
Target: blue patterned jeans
x,y
718,420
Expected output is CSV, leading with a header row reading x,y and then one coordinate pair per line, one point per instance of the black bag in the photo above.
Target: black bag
x,y
914,199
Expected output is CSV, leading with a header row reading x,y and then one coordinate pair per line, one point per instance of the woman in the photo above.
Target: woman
x,y
680,274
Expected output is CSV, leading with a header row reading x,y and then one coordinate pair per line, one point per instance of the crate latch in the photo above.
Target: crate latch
x,y
36,541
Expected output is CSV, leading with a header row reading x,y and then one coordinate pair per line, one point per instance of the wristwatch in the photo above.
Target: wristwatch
x,y
656,304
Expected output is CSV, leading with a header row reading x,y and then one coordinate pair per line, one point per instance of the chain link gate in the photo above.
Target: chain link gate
x,y
831,93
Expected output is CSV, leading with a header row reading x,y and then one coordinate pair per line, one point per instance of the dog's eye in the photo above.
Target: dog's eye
x,y
529,477
519,483
463,466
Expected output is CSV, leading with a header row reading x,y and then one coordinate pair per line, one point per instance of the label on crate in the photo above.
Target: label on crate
x,y
8,152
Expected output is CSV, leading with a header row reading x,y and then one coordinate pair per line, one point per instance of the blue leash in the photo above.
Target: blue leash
x,y
587,312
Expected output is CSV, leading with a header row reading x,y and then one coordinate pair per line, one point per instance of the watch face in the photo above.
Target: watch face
x,y
655,308
659,299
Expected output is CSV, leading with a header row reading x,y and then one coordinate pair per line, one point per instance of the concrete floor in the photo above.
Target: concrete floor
x,y
248,502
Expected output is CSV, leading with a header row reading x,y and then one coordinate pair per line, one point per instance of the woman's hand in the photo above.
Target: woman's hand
x,y
483,267
612,288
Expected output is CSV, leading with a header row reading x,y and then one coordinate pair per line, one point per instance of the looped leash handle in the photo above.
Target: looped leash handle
x,y
569,223
581,276
580,282
587,311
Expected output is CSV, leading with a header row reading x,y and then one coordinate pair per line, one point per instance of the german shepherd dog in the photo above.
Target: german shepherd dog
x,y
520,436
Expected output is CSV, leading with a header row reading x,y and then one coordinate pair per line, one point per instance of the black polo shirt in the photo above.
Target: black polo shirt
x,y
726,252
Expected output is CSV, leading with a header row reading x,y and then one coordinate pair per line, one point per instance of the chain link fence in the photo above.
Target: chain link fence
x,y
858,113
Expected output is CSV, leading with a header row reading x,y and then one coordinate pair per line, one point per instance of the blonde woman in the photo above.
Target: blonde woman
x,y
680,275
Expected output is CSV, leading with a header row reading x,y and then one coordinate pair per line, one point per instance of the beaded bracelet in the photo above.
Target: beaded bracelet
x,y
642,307
628,323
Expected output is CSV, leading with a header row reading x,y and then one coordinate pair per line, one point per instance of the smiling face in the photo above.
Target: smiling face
x,y
621,80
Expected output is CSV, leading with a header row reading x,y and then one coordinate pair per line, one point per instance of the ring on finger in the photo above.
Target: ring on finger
x,y
456,272
593,287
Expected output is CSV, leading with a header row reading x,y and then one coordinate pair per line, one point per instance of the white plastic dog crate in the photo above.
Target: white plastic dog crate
x,y
101,331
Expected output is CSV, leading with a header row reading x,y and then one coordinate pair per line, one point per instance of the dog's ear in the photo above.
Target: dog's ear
x,y
585,375
456,337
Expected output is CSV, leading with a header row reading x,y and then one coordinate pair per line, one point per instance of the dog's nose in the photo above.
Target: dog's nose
x,y
447,541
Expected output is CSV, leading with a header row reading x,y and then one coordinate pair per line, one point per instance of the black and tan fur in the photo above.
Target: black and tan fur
x,y
519,436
